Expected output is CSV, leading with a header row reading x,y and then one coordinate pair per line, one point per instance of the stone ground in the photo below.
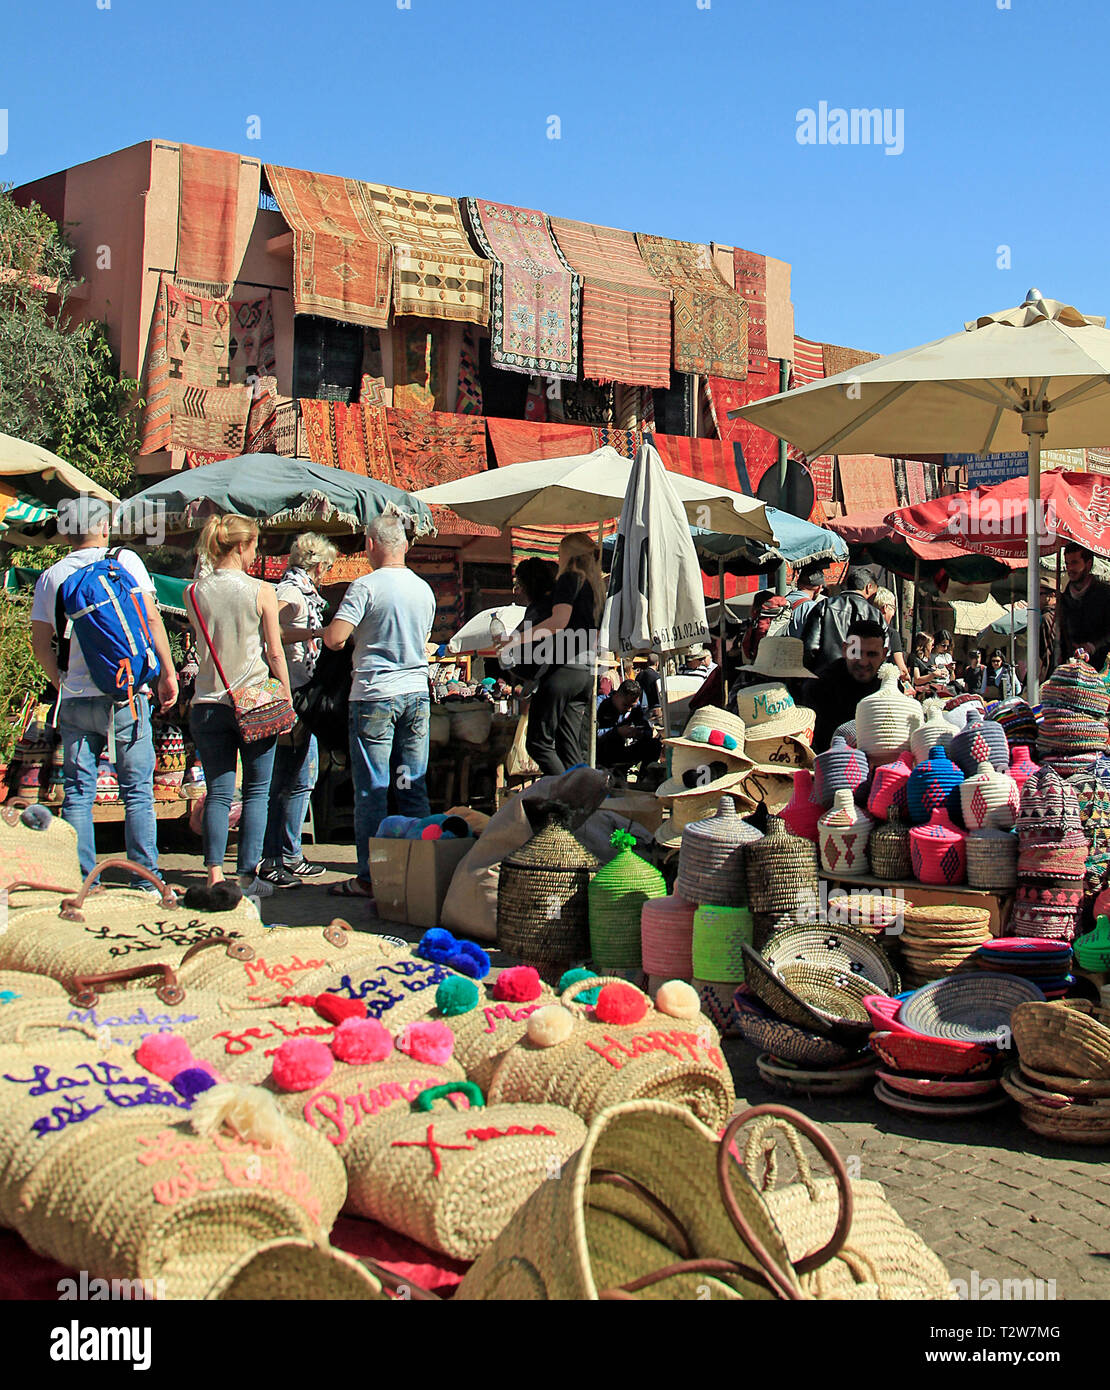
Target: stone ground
x,y
989,1195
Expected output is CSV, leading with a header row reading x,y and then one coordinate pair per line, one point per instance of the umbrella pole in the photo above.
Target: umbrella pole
x,y
593,683
721,629
1033,425
916,600
1013,665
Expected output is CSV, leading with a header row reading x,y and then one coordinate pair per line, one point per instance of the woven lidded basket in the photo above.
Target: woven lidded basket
x,y
453,1179
617,894
711,860
677,1060
1062,1038
542,903
124,1202
781,869
888,849
992,860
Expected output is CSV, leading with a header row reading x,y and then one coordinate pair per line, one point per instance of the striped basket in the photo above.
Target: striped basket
x,y
719,933
666,935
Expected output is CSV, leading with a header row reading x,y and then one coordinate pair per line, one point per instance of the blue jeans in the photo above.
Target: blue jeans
x,y
389,745
83,725
295,770
216,736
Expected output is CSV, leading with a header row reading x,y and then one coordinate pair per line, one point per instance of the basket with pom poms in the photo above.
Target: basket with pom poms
x,y
617,895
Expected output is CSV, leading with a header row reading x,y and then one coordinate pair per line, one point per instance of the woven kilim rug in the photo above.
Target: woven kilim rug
x,y
760,449
843,359
626,313
342,259
420,356
262,426
431,447
352,437
710,318
626,442
867,482
468,399
749,270
436,274
809,365
535,296
217,204
211,418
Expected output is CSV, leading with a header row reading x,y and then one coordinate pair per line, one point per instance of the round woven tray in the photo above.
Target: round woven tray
x,y
758,1026
1079,1086
941,1088
941,1109
836,995
779,998
833,948
827,1081
947,917
1063,1039
967,1008
910,1052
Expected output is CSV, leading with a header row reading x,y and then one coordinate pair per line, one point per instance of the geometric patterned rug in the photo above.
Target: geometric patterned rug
x,y
435,271
710,318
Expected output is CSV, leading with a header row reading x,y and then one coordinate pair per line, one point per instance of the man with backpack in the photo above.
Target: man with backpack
x,y
98,635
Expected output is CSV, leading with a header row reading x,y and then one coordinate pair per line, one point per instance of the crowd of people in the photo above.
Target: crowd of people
x,y
258,645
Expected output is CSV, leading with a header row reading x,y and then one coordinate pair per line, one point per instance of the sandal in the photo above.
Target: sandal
x,y
350,888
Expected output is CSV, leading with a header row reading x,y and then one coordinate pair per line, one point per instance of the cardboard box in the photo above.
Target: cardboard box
x,y
411,877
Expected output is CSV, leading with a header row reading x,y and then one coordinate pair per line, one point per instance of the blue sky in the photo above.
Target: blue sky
x,y
676,118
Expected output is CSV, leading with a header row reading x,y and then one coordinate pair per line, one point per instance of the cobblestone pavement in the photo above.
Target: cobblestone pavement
x,y
989,1196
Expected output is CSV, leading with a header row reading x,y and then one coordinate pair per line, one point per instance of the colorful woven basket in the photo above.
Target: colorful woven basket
x,y
980,741
843,833
617,894
803,811
937,851
968,1008
840,768
836,949
719,932
935,732
666,934
542,898
989,799
930,785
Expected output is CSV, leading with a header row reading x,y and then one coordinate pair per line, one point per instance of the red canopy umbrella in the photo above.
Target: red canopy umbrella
x,y
1073,507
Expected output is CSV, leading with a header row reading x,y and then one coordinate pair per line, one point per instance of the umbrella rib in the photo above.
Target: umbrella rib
x,y
891,396
1077,392
999,396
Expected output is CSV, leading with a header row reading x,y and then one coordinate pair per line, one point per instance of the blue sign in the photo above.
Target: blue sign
x,y
986,469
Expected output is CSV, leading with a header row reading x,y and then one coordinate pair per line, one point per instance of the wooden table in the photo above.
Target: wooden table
x,y
932,895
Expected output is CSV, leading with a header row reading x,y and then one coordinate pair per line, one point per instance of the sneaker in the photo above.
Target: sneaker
x,y
271,872
256,887
303,869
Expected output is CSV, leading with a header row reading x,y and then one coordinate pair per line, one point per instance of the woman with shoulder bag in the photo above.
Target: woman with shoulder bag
x,y
239,647
301,610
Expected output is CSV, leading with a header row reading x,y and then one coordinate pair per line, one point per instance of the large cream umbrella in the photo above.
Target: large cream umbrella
x,y
38,473
1003,384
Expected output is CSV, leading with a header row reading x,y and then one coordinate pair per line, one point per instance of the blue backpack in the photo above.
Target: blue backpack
x,y
103,604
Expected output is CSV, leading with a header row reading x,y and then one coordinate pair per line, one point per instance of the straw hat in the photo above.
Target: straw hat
x,y
714,733
769,711
689,806
771,789
780,755
781,658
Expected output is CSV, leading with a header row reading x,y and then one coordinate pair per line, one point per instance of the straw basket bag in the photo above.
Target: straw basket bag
x,y
293,1270
240,1040
597,1065
124,1202
121,1020
617,894
267,970
115,929
542,905
452,1179
21,984
35,858
484,1033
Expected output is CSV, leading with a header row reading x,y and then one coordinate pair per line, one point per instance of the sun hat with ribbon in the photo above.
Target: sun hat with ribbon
x,y
782,754
781,658
769,711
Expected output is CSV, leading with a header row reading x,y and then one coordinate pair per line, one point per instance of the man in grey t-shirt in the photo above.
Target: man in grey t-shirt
x,y
390,614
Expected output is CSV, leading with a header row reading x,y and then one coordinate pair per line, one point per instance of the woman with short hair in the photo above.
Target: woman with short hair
x,y
296,760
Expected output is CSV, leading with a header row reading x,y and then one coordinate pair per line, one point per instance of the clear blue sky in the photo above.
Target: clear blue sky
x,y
676,120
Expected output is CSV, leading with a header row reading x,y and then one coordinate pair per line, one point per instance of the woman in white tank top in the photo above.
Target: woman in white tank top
x,y
241,615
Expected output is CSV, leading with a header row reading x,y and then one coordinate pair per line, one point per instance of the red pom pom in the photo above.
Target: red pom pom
x,y
716,738
360,1040
619,1004
301,1063
165,1054
432,832
519,984
335,1008
428,1042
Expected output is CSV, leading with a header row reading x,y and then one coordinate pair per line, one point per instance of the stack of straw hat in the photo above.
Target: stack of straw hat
x,y
1052,860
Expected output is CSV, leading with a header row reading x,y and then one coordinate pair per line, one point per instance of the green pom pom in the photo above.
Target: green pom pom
x,y
457,995
623,839
571,977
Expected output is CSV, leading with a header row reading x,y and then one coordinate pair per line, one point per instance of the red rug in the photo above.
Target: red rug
x,y
750,278
215,187
431,447
352,437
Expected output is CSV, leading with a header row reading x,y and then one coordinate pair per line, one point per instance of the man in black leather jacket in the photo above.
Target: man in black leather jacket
x,y
826,626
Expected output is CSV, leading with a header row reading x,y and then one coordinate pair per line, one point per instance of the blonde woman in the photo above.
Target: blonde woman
x,y
301,610
241,616
558,717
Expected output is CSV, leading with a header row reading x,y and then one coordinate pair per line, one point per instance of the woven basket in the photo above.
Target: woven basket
x,y
758,1026
266,971
600,1065
717,999
119,1020
970,1008
711,860
888,849
45,859
116,929
1078,1087
781,869
483,1035
542,904
284,1271
766,924
992,860
124,1202
666,935
772,990
240,1040
1062,1038
1059,1116
836,949
453,1180
946,1089
718,935
617,894
933,1107
836,995
21,984
822,1081
912,1052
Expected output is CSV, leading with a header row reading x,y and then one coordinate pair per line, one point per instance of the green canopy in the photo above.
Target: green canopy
x,y
169,593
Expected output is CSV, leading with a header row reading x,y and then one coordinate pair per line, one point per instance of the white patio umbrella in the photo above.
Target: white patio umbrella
x,y
485,629
1005,383
655,600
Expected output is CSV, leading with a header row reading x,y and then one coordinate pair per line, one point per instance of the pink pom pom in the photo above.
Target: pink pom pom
x,y
716,738
301,1063
165,1054
428,1042
432,832
518,984
362,1040
619,1004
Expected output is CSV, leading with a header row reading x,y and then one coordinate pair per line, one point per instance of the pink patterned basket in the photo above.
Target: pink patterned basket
x,y
938,851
